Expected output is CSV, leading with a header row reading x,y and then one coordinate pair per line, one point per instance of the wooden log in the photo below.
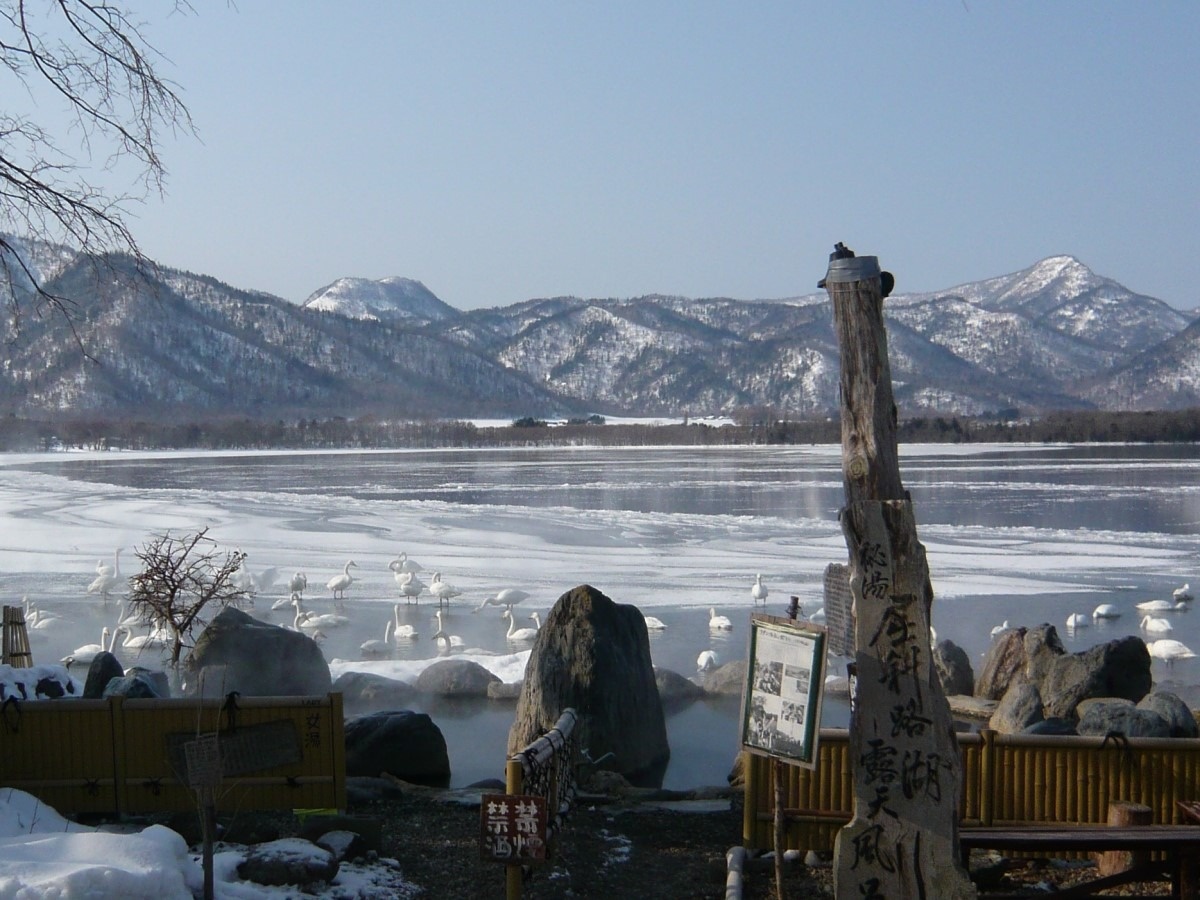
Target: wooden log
x,y
1124,813
903,839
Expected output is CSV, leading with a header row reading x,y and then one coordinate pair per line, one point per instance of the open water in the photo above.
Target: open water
x,y
1023,534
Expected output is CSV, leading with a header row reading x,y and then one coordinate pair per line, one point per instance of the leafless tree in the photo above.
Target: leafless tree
x,y
93,58
180,580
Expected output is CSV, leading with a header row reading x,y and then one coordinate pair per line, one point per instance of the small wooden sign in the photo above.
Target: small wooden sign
x,y
512,828
203,761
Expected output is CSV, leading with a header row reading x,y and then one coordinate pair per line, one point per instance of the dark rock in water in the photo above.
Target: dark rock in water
x,y
455,678
489,784
133,687
1119,668
674,690
1019,708
402,743
1003,662
104,668
593,655
501,690
953,667
1176,713
260,659
728,680
291,861
157,678
1042,647
1053,726
363,691
1103,716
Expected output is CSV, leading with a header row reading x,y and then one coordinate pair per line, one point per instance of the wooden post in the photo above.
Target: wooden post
x,y
514,783
1123,813
903,839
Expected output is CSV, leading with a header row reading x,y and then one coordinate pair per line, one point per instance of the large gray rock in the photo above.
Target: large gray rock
x,y
364,691
593,655
132,687
726,681
455,678
400,742
260,659
104,668
1104,716
674,690
953,668
1042,647
1119,668
1004,661
1019,708
290,861
1176,713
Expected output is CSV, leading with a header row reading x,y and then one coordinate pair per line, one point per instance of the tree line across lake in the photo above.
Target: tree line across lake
x,y
30,435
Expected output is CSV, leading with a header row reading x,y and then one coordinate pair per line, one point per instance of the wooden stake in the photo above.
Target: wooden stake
x,y
903,839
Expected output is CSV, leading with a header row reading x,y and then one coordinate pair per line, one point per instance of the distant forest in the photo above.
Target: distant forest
x,y
17,434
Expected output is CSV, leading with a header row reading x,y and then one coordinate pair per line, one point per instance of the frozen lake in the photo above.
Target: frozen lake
x,y
1027,534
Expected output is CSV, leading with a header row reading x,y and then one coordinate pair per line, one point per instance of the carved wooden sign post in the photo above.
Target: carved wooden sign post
x,y
903,839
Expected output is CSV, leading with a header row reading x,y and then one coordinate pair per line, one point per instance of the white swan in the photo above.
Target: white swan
x,y
377,649
298,583
515,633
285,602
998,629
818,616
1161,606
310,622
403,564
718,623
84,655
339,583
655,624
707,660
1169,650
1106,611
508,598
1077,620
402,632
153,639
108,578
265,580
411,586
759,591
1183,594
447,643
1155,625
442,590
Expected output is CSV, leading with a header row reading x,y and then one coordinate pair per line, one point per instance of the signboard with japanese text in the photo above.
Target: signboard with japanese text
x,y
785,679
512,828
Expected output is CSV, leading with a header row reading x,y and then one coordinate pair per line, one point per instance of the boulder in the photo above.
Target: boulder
x,y
1004,661
290,861
1020,707
39,683
156,677
674,690
503,690
363,691
953,667
1042,647
260,659
103,669
455,678
1119,668
132,687
1176,713
1104,716
402,743
593,655
728,680
1053,726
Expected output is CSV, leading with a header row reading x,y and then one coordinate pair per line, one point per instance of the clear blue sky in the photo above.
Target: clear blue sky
x,y
503,151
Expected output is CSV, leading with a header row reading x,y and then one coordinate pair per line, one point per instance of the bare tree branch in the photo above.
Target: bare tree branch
x,y
95,58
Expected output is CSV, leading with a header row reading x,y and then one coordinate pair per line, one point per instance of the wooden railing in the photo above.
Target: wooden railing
x,y
1007,780
128,756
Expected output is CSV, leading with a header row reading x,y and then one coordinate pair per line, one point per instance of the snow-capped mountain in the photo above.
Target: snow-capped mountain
x,y
388,300
169,343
